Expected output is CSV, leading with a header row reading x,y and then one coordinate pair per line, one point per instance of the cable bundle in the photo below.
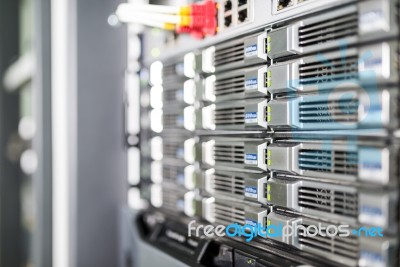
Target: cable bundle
x,y
198,19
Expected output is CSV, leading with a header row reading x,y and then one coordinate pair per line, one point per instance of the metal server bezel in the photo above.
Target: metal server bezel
x,y
250,115
383,114
375,65
247,146
250,86
286,161
285,41
285,193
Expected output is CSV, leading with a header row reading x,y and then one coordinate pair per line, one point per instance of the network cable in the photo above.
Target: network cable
x,y
198,20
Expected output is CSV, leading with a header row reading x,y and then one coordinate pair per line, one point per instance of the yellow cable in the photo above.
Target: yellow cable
x,y
185,11
185,21
169,26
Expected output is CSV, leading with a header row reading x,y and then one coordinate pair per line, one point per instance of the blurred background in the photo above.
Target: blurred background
x,y
62,157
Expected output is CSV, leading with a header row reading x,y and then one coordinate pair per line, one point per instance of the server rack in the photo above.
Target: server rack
x,y
287,116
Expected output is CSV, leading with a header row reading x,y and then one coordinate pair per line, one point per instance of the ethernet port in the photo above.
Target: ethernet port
x,y
265,79
265,221
242,15
242,2
284,4
228,21
266,150
266,45
228,5
267,118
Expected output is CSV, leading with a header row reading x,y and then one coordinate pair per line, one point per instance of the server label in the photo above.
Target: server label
x,y
250,50
250,191
250,117
180,153
179,121
373,20
371,165
181,178
372,214
250,222
251,159
250,84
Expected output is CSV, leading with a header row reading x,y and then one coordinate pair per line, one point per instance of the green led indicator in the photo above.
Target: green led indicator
x,y
250,261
